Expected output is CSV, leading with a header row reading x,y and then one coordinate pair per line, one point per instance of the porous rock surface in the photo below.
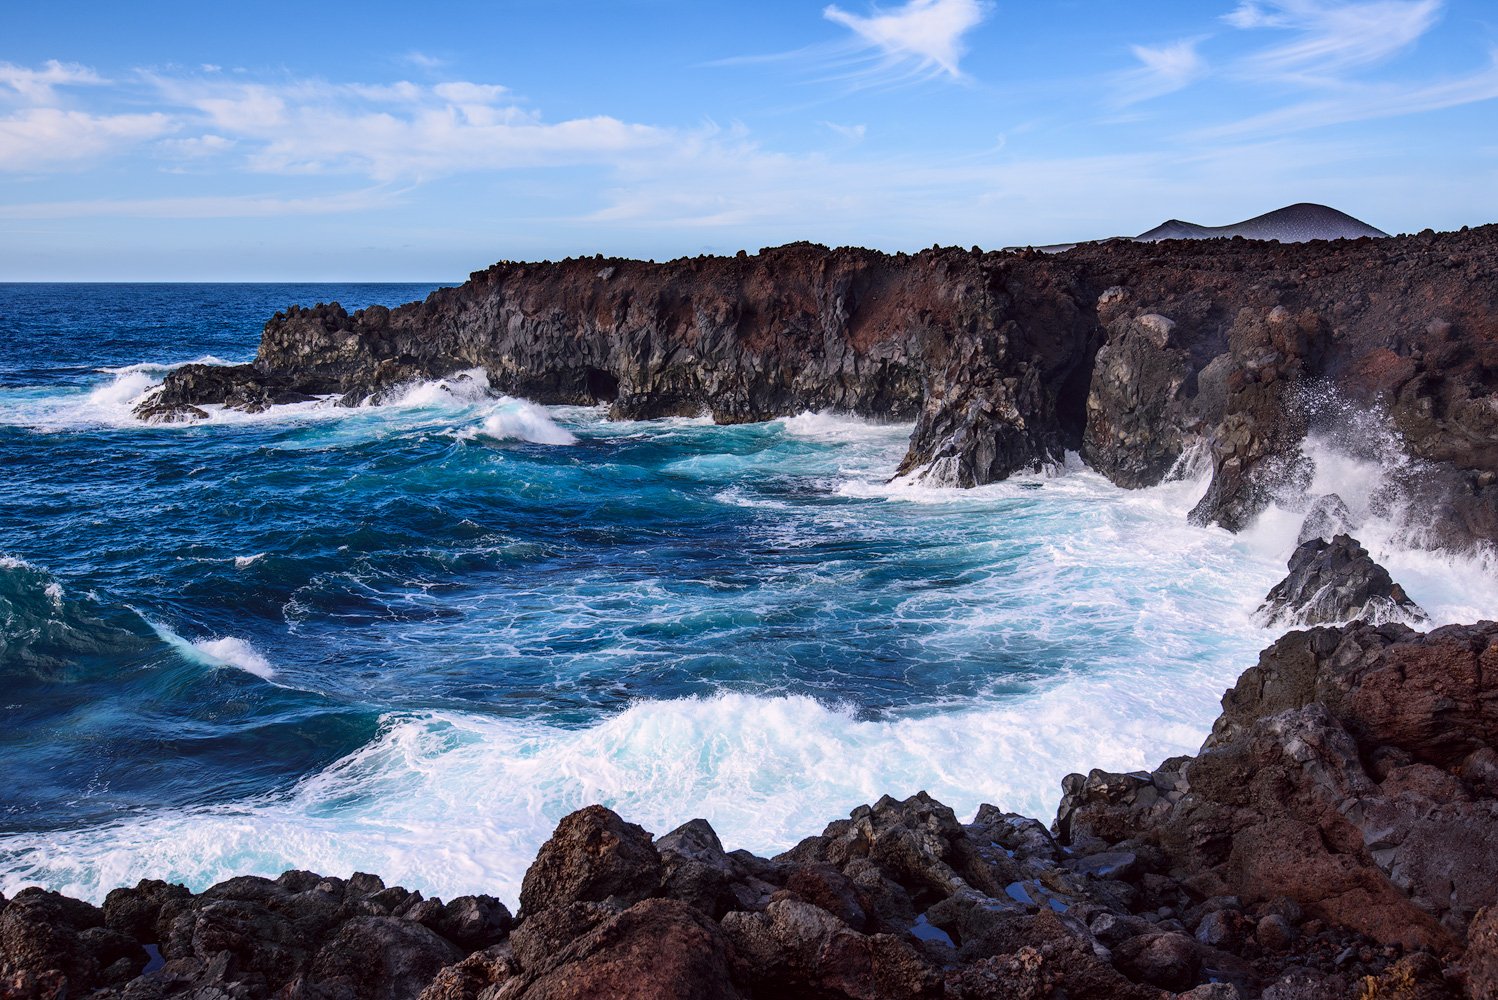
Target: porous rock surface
x,y
1136,355
1337,836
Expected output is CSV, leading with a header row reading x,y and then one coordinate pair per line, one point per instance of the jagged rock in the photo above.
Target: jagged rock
x,y
380,958
658,949
1332,778
51,945
1334,581
593,856
1132,354
1134,434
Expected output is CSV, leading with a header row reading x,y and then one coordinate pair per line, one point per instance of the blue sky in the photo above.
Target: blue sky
x,y
266,141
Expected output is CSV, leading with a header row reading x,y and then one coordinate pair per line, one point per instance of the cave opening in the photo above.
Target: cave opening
x,y
602,386
1071,401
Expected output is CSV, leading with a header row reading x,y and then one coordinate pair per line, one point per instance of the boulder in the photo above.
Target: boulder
x,y
593,856
1336,581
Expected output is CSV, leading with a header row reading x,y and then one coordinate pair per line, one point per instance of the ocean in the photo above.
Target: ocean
x,y
407,639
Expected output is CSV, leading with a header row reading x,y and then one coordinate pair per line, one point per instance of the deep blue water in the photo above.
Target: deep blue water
x,y
409,638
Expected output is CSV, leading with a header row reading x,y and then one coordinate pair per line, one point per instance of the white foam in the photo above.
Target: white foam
x,y
159,368
232,652
454,803
1452,587
54,594
243,562
518,420
461,389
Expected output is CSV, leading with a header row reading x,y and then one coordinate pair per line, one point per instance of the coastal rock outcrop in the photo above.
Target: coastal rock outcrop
x,y
1337,581
1135,355
1337,836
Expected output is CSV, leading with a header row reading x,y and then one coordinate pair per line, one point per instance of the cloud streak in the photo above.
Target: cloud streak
x,y
1332,37
1162,70
925,34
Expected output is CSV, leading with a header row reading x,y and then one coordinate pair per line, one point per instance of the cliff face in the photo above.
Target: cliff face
x,y
1130,353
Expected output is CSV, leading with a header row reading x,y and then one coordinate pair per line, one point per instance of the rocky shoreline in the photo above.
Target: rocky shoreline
x,y
1133,355
1336,836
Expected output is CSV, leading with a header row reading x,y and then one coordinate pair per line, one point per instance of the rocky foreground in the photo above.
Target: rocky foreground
x,y
1337,836
1132,354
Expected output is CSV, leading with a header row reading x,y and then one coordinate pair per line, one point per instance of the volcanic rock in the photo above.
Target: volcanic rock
x,y
1334,581
1137,355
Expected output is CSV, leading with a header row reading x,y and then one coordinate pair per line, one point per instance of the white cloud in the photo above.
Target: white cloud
x,y
424,60
207,207
397,131
37,86
51,137
1162,69
1333,36
1368,103
927,33
852,133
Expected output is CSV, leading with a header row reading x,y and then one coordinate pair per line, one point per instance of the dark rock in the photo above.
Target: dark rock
x,y
145,912
593,856
51,945
1137,355
1169,961
380,958
1337,581
472,922
660,949
1481,960
1220,929
1274,933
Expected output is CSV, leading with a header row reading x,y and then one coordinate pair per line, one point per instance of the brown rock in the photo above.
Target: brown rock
x,y
592,856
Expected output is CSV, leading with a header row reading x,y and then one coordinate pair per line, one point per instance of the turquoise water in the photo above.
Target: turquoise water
x,y
408,638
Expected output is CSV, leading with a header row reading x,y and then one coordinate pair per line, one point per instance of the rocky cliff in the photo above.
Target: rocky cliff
x,y
1336,837
1133,354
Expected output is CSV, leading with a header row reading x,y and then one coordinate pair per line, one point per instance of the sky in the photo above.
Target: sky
x,y
399,141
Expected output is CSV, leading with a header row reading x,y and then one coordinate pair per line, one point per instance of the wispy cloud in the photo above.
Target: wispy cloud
x,y
208,206
1162,69
1331,37
391,132
925,34
45,138
852,133
1368,102
39,86
425,60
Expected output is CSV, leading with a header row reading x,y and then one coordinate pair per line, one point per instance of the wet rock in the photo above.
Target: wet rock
x,y
592,856
1337,581
1134,435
